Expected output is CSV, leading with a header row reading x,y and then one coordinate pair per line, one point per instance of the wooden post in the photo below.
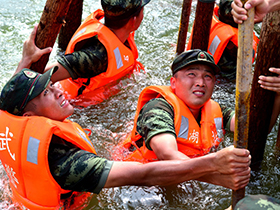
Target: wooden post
x,y
50,23
73,21
243,86
202,24
262,100
184,25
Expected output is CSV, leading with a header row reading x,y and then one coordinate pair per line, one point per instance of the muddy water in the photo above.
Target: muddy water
x,y
112,119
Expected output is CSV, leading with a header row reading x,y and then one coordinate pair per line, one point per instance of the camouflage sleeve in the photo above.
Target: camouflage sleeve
x,y
227,116
156,116
225,13
76,169
87,62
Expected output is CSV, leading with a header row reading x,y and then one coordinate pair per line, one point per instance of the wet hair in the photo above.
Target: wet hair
x,y
117,24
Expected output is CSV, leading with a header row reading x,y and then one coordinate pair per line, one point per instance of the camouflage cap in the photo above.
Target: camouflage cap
x,y
122,9
22,88
194,56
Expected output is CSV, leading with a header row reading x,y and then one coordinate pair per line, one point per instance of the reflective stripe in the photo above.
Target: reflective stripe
x,y
80,32
118,58
81,134
218,123
32,150
214,45
83,137
184,128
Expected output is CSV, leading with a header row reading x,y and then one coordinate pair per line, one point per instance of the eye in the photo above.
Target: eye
x,y
191,74
46,91
208,77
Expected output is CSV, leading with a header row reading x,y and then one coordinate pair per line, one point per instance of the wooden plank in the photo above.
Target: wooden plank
x,y
243,87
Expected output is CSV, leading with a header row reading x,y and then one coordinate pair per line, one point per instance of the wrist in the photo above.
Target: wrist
x,y
210,159
25,62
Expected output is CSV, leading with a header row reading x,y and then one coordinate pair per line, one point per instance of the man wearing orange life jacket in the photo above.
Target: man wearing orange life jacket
x,y
223,40
99,54
42,150
180,121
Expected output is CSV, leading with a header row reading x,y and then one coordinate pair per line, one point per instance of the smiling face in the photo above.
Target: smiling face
x,y
51,103
194,85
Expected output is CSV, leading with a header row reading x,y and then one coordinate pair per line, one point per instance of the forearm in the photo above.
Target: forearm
x,y
274,5
60,74
175,155
165,147
159,173
25,62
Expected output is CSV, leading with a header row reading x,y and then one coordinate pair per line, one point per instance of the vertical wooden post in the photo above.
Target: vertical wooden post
x,y
50,23
184,25
73,21
243,86
262,100
202,24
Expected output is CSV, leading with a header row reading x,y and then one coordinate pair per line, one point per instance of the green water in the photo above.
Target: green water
x,y
111,120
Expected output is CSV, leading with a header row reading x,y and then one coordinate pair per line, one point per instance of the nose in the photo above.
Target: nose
x,y
57,92
199,82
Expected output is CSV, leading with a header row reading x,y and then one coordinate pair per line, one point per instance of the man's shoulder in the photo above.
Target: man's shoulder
x,y
157,106
157,103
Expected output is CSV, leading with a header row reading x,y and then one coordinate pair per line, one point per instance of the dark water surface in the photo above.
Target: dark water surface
x,y
111,120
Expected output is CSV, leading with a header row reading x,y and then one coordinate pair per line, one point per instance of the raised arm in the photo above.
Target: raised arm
x,y
31,53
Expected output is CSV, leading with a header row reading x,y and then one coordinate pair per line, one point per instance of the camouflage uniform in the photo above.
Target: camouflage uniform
x,y
157,116
90,58
88,62
227,62
258,202
75,169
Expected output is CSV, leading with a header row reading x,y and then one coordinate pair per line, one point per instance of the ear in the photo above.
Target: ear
x,y
132,22
28,114
173,83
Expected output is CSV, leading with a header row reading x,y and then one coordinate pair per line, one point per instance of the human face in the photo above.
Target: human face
x,y
194,85
51,104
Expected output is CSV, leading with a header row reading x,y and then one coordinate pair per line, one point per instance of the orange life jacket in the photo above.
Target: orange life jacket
x,y
220,35
24,154
192,139
121,59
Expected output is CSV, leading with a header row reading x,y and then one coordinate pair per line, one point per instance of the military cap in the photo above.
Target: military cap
x,y
194,56
22,88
